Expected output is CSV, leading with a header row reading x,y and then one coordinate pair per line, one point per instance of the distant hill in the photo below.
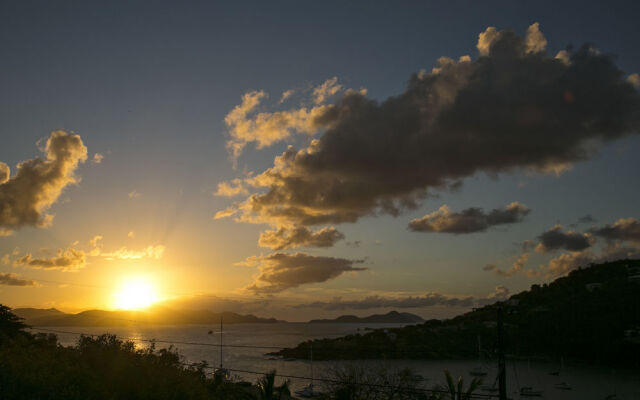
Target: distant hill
x,y
155,315
592,315
392,317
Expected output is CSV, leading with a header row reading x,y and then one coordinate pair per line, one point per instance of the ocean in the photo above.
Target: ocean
x,y
586,382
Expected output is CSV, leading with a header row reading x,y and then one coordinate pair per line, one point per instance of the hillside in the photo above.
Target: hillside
x,y
392,317
592,315
156,315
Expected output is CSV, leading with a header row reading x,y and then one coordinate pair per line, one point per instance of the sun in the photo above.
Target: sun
x,y
135,294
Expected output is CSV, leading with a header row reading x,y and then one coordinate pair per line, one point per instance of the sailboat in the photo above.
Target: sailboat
x,y
562,386
557,372
307,392
529,391
221,372
479,371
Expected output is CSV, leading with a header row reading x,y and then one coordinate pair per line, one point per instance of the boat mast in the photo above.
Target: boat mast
x,y
311,358
220,341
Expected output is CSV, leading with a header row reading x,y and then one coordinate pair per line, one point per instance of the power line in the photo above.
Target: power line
x,y
319,346
327,380
159,341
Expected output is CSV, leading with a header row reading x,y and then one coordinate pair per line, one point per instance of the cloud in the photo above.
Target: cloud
x,y
500,293
429,299
6,260
229,189
37,184
285,95
123,253
512,108
266,128
13,280
634,80
565,263
329,88
97,158
624,229
131,234
68,260
556,239
622,242
287,238
281,271
134,194
469,220
225,213
516,267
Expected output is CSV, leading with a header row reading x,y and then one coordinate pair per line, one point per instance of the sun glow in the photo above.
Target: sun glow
x,y
135,294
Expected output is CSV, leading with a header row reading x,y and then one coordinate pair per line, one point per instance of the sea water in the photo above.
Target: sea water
x,y
586,382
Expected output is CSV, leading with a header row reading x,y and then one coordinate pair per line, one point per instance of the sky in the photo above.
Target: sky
x,y
313,159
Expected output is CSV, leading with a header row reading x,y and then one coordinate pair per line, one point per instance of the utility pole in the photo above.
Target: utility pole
x,y
221,341
502,371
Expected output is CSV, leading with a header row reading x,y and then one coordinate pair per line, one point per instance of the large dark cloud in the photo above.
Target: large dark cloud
x,y
469,220
624,229
556,238
281,271
513,107
287,238
12,280
25,197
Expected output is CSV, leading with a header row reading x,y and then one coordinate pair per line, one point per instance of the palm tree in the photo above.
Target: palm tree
x,y
457,391
268,389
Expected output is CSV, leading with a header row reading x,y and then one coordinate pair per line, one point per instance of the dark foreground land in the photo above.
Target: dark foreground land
x,y
106,368
591,316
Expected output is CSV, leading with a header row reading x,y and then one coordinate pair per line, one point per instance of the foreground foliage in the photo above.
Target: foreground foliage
x,y
102,367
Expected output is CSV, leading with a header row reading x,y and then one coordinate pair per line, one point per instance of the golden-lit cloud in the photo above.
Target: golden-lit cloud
x,y
37,184
329,88
265,128
281,271
123,253
134,194
235,187
225,213
622,241
634,79
97,158
624,229
517,267
67,260
288,238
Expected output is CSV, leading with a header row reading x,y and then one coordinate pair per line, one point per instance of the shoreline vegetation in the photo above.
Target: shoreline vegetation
x,y
37,366
591,316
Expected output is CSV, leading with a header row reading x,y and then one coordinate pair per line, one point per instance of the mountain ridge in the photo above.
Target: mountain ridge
x,y
392,317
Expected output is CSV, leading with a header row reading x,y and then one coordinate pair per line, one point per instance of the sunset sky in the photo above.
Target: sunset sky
x,y
312,159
